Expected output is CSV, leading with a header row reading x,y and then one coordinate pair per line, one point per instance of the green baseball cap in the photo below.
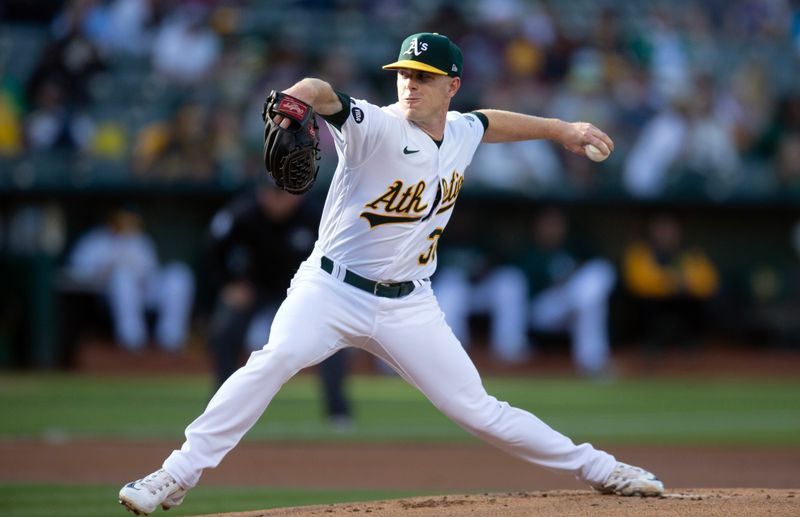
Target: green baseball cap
x,y
429,52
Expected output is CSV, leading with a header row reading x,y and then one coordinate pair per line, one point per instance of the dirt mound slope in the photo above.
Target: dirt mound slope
x,y
704,502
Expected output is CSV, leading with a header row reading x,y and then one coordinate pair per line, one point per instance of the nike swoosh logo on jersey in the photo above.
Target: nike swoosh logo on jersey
x,y
406,150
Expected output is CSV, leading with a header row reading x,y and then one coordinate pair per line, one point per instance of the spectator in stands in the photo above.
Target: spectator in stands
x,y
109,141
185,48
119,259
228,150
669,63
70,61
58,88
84,16
780,142
687,136
52,125
178,149
747,107
548,288
130,25
531,167
11,130
670,283
582,96
113,26
257,242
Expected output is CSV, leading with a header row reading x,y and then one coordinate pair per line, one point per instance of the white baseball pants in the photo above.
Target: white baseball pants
x,y
321,315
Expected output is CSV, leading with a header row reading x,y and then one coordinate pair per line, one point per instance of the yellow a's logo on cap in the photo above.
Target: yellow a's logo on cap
x,y
415,48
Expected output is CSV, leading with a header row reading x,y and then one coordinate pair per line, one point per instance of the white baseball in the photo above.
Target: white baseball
x,y
595,154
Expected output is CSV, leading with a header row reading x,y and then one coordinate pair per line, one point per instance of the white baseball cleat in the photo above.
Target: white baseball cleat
x,y
628,480
143,496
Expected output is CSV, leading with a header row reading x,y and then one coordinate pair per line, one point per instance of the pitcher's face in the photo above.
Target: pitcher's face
x,y
423,95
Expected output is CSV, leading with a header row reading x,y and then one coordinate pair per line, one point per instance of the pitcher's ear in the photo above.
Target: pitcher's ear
x,y
455,84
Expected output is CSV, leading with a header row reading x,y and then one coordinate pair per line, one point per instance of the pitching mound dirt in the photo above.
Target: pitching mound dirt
x,y
710,502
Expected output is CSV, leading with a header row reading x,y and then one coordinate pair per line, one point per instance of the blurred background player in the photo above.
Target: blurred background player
x,y
548,287
571,287
257,242
772,298
671,283
120,261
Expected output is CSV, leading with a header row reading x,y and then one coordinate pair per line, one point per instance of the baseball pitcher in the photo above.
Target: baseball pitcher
x,y
366,283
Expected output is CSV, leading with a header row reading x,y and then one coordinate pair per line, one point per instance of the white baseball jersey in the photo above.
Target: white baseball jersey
x,y
393,191
390,199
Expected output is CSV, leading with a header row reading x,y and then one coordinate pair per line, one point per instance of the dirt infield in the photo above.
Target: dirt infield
x,y
425,467
768,478
705,502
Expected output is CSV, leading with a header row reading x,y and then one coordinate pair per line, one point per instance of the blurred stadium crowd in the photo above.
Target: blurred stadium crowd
x,y
701,97
102,101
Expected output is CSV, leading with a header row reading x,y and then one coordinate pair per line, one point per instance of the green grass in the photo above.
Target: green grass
x,y
24,500
749,412
679,411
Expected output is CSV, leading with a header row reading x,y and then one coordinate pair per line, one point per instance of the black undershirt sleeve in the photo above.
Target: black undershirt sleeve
x,y
339,118
482,118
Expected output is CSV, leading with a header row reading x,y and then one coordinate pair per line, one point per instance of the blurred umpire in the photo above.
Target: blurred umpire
x,y
257,242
